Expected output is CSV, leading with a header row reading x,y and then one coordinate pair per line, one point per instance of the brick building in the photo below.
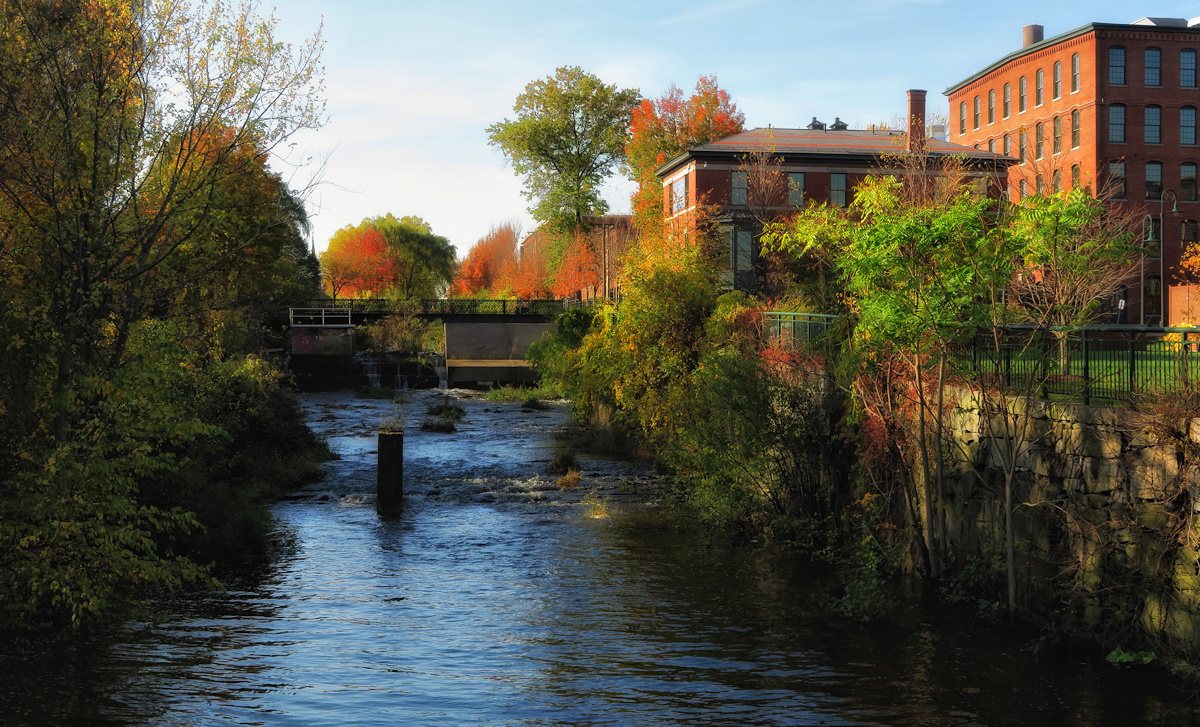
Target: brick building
x,y
819,163
1109,107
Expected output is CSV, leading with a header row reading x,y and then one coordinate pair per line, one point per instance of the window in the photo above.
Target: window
x,y
1007,99
837,190
1075,129
1116,66
744,251
976,115
1021,145
1056,80
1057,134
679,194
1153,295
1153,180
1074,176
991,107
1116,123
1187,68
1074,73
1038,83
1187,182
1038,139
1153,67
1021,189
992,145
1021,95
1188,230
1041,186
796,189
1056,181
1153,125
1007,146
1116,177
962,118
740,193
1187,125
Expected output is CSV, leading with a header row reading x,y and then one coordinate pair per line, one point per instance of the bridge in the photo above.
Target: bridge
x,y
485,340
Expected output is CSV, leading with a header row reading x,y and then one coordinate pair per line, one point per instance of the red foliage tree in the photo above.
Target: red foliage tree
x,y
665,127
486,262
578,268
357,263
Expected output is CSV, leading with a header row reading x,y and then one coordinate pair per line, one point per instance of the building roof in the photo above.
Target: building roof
x,y
1144,24
809,145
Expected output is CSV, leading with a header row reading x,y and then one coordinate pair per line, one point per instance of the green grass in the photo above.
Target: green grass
x,y
521,394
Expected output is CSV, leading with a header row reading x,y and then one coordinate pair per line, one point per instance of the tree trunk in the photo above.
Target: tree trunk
x,y
935,570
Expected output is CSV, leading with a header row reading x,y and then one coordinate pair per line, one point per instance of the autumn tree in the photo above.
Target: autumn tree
x,y
578,268
131,146
568,136
483,269
385,256
662,128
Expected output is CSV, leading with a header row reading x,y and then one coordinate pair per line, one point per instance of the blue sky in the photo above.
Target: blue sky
x,y
411,87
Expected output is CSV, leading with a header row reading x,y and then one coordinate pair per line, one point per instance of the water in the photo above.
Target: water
x,y
495,599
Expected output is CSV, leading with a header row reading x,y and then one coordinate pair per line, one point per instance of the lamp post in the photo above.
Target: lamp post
x,y
1147,237
1162,249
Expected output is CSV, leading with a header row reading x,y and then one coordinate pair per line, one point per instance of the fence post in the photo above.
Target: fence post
x,y
1132,366
389,475
1087,371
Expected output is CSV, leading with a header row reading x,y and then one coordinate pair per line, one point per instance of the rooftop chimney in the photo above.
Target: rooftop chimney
x,y
916,122
815,124
838,125
1031,34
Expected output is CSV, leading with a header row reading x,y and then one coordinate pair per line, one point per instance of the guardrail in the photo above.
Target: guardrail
x,y
319,317
447,306
792,330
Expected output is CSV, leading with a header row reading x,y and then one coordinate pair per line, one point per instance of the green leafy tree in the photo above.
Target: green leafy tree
x,y
568,136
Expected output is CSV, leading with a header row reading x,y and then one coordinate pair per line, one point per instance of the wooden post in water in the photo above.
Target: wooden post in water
x,y
389,493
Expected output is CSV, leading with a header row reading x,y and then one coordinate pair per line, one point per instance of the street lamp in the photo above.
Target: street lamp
x,y
1162,250
1147,237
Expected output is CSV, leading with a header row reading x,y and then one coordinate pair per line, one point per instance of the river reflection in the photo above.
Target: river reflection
x,y
485,604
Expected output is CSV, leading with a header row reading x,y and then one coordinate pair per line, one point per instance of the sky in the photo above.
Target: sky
x,y
411,87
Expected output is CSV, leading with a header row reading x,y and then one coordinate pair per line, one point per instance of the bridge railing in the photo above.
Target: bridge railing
x,y
447,306
319,317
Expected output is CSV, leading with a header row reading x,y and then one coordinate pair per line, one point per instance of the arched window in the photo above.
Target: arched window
x,y
1116,66
976,116
1038,140
992,106
1074,176
1153,67
1056,181
1021,189
1187,68
1116,179
1021,95
1021,145
1187,182
1056,80
1075,129
1057,134
1007,146
1038,84
1187,125
1041,186
962,118
1074,73
992,145
1153,125
1116,123
1188,230
1154,184
1007,99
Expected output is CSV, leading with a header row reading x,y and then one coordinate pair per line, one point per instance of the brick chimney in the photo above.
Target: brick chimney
x,y
1031,34
916,122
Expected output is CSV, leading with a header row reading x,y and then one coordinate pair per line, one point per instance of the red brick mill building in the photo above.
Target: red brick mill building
x,y
821,163
1112,108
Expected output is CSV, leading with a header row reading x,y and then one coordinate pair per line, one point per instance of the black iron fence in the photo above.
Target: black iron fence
x,y
1091,363
446,306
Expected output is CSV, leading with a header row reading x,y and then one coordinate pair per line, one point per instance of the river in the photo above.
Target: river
x,y
500,599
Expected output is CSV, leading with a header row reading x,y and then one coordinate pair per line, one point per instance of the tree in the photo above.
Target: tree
x,y
132,140
484,268
667,126
569,134
388,256
578,268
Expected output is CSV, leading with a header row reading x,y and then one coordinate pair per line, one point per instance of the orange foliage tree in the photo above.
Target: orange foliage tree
x,y
578,268
357,264
483,269
662,128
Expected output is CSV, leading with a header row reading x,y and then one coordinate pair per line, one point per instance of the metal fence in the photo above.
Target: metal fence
x,y
446,306
1091,363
